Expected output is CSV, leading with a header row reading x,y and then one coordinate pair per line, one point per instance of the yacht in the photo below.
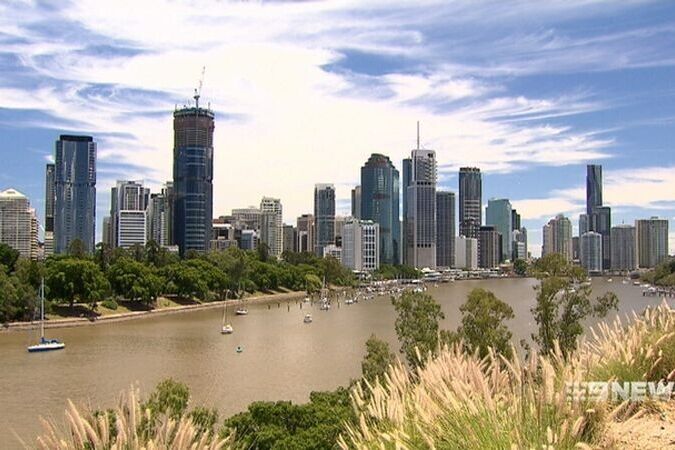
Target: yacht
x,y
308,318
241,311
45,344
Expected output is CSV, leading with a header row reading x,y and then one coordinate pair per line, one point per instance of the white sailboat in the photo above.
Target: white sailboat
x,y
226,328
308,318
44,345
241,310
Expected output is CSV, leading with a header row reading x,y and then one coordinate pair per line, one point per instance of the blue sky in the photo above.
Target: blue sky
x,y
303,92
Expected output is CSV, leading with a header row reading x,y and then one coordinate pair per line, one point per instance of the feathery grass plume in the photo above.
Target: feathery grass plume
x,y
120,429
461,401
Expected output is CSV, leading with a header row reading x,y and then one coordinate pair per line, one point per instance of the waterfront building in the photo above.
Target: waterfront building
x,y
557,237
406,176
489,247
305,227
50,201
652,241
333,251
466,253
421,210
470,201
624,248
248,240
159,216
248,218
290,239
379,193
361,245
519,243
601,222
271,225
356,202
583,224
515,219
193,177
590,252
75,192
324,216
499,215
339,228
445,229
128,221
18,223
223,235
593,187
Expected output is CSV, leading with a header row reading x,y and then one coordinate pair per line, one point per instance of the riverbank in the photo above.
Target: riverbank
x,y
131,315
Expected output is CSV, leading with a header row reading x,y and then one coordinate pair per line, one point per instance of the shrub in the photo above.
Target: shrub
x,y
109,304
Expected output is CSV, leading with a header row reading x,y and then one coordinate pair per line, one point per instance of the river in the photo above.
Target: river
x,y
283,358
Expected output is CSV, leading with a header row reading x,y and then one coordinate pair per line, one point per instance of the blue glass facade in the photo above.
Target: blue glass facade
x,y
75,190
379,203
193,178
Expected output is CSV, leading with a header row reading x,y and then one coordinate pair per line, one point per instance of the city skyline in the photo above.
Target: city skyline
x,y
510,115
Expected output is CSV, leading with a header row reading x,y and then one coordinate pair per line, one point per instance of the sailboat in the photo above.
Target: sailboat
x,y
241,310
226,328
44,345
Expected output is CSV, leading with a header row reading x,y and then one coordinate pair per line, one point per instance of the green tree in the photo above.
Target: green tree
x,y
17,300
103,255
263,252
520,267
133,280
377,360
417,317
30,272
185,281
170,397
563,302
76,249
76,280
483,316
8,257
312,283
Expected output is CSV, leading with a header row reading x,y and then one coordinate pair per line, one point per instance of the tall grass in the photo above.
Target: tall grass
x,y
127,427
458,401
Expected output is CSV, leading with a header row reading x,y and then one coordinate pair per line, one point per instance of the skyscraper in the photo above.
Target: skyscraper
x,y
557,234
324,216
445,229
590,251
305,226
583,224
356,202
489,247
290,239
624,248
470,201
159,216
652,241
17,223
379,203
75,187
128,221
593,187
271,225
361,245
193,177
499,215
50,200
466,253
406,176
421,210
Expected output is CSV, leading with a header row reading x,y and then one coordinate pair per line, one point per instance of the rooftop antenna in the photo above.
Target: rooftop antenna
x,y
418,135
198,91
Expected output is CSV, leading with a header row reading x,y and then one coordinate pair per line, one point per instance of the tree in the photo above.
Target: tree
x,y
30,272
17,300
103,255
170,397
185,281
133,280
8,257
417,325
563,302
312,283
483,316
520,267
76,280
377,360
76,249
263,252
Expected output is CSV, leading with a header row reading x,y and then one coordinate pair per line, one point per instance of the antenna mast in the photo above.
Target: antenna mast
x,y
198,91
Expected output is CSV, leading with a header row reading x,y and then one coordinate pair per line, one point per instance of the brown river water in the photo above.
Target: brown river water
x,y
283,358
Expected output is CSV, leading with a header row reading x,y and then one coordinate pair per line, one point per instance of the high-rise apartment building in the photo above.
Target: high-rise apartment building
x,y
193,177
466,253
593,187
583,224
489,247
557,234
159,216
356,202
519,243
305,226
75,192
590,251
421,210
445,229
271,225
324,216
50,201
18,223
128,221
379,203
652,241
290,238
361,245
624,248
406,177
248,217
499,215
470,201
599,217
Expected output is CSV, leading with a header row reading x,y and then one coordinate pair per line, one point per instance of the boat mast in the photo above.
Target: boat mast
x,y
42,309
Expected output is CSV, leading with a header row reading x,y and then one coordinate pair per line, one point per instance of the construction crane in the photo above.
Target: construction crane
x,y
198,91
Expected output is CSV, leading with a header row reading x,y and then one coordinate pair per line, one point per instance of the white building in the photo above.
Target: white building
x,y
18,224
361,245
271,225
128,221
334,251
590,251
466,253
131,228
557,237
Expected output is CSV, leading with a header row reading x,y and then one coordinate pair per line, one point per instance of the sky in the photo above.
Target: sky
x,y
304,92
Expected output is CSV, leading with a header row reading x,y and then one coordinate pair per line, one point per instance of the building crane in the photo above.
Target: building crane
x,y
198,91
